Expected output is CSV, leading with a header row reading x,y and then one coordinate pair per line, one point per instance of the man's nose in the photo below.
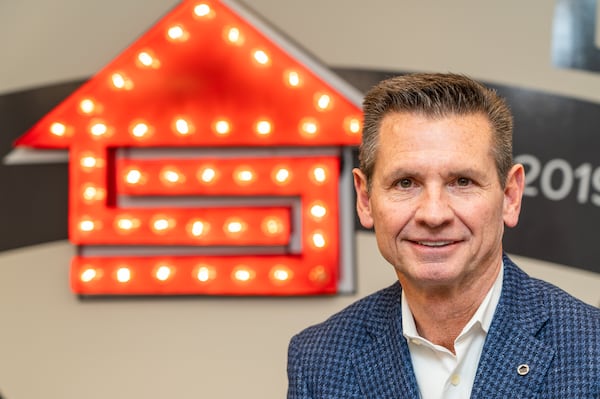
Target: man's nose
x,y
433,208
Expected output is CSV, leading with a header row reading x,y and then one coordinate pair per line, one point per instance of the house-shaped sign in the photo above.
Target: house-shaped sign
x,y
211,157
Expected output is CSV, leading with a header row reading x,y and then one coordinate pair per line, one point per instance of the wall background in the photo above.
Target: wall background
x,y
55,346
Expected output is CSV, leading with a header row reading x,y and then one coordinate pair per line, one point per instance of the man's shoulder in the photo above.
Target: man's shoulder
x,y
353,322
540,295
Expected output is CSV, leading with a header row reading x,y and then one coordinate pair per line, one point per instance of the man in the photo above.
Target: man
x,y
438,184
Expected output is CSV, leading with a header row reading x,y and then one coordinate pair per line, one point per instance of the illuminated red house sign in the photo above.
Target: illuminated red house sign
x,y
208,158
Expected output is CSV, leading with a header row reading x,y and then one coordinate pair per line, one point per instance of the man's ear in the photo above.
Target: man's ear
x,y
513,194
363,204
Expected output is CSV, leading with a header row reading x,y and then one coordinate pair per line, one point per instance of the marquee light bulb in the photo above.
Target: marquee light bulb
x,y
309,127
323,102
281,274
234,36
318,274
263,127
203,10
92,193
261,57
98,129
205,273
222,127
183,127
207,175
244,175
88,275
88,161
133,176
58,129
171,176
292,79
282,176
121,82
87,225
127,224
87,106
147,59
318,211
163,273
198,228
140,130
318,240
353,125
272,226
319,175
177,33
162,224
243,274
123,275
235,226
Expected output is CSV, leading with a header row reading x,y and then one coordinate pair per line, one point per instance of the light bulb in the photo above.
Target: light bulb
x,y
58,129
140,130
352,125
243,274
282,176
207,175
244,175
272,226
318,240
281,274
87,225
87,106
133,176
170,176
234,36
222,127
292,79
261,57
318,211
323,102
309,127
183,127
198,228
203,10
205,273
123,274
319,175
163,273
88,275
235,226
121,82
98,129
263,127
177,33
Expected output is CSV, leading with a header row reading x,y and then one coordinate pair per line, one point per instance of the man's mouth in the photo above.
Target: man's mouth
x,y
434,244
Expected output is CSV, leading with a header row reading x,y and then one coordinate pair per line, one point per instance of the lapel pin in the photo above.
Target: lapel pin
x,y
523,369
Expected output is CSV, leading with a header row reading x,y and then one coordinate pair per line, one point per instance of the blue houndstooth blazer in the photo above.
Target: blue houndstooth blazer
x,y
361,352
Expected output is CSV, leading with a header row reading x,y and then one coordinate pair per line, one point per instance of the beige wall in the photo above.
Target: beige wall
x,y
54,346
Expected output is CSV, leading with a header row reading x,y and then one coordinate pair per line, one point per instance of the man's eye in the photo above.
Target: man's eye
x,y
405,183
463,181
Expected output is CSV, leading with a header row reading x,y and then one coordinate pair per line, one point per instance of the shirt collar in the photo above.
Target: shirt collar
x,y
482,317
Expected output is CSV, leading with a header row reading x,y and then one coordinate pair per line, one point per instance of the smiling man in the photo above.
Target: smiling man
x,y
438,185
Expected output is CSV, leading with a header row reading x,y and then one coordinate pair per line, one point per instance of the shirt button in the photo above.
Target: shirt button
x,y
415,341
455,379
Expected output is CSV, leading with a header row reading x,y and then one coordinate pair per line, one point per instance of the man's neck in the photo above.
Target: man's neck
x,y
441,313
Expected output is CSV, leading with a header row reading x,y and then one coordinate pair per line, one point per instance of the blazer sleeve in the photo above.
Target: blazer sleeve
x,y
297,387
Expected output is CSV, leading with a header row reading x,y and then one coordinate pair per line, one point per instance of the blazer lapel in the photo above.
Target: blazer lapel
x,y
514,362
382,364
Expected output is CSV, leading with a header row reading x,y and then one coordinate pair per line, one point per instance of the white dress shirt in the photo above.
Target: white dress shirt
x,y
440,373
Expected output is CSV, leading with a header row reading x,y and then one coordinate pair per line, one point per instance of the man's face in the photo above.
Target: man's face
x,y
436,203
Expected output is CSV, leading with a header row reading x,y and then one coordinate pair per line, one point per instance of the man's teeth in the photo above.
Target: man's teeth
x,y
434,244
